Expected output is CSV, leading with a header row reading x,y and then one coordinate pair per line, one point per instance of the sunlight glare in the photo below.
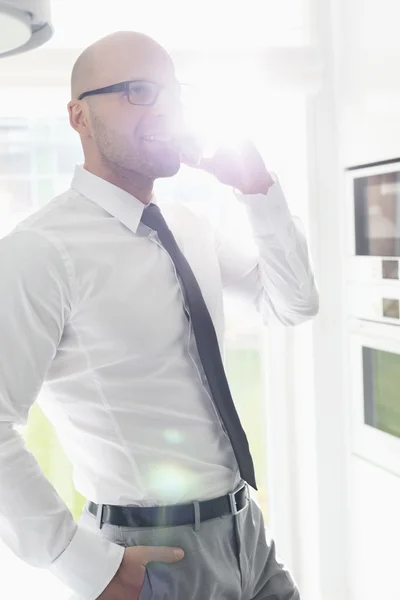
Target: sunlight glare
x,y
228,107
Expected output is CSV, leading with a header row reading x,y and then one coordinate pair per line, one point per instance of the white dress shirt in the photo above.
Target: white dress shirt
x,y
91,307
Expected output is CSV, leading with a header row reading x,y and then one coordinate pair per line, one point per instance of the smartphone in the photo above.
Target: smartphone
x,y
192,148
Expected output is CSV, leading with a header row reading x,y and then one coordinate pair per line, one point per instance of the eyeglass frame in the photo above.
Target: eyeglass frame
x,y
124,87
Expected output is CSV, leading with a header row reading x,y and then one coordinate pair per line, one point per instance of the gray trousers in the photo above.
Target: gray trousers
x,y
228,558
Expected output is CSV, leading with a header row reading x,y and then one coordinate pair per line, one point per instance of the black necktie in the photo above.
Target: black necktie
x,y
207,344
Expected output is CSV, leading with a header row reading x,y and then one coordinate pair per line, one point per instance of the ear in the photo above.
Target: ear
x,y
79,117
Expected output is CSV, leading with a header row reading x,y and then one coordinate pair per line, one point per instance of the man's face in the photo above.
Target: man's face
x,y
143,140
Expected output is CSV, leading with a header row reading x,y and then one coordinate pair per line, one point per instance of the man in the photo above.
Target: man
x,y
120,315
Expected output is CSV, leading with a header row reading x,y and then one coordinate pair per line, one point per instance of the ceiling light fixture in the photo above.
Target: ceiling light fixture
x,y
24,25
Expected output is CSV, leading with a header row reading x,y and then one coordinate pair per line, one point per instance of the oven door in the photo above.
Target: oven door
x,y
373,222
374,377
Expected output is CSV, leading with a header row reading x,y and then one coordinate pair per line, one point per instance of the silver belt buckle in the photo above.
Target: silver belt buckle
x,y
99,515
232,499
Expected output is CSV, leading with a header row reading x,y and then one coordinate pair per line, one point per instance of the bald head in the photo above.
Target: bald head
x,y
128,142
117,57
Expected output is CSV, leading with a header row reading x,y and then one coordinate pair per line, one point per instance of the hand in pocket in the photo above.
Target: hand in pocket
x,y
128,580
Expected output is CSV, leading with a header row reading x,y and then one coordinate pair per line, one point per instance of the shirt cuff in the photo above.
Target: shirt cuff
x,y
269,214
88,564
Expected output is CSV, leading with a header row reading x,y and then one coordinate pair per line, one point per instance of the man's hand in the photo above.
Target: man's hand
x,y
243,169
128,580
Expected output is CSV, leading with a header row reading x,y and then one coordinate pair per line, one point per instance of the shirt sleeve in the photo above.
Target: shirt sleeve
x,y
278,276
35,523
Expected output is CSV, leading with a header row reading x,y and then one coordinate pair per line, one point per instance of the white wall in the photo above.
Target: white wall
x,y
369,46
375,532
367,94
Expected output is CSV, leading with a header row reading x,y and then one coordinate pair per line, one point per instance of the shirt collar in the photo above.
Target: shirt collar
x,y
117,202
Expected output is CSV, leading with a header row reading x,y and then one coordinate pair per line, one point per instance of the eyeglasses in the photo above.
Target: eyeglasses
x,y
142,92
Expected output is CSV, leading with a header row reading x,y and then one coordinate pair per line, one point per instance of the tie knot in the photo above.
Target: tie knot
x,y
152,216
151,207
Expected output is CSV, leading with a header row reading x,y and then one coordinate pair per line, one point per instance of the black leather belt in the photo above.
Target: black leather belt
x,y
170,516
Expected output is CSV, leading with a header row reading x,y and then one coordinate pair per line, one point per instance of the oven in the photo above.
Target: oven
x,y
373,223
374,377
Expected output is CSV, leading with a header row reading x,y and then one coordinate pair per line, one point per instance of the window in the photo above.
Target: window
x,y
33,165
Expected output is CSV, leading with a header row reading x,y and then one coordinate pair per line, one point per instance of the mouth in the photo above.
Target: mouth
x,y
159,137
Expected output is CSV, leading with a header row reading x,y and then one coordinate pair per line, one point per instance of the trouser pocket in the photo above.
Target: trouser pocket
x,y
146,592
